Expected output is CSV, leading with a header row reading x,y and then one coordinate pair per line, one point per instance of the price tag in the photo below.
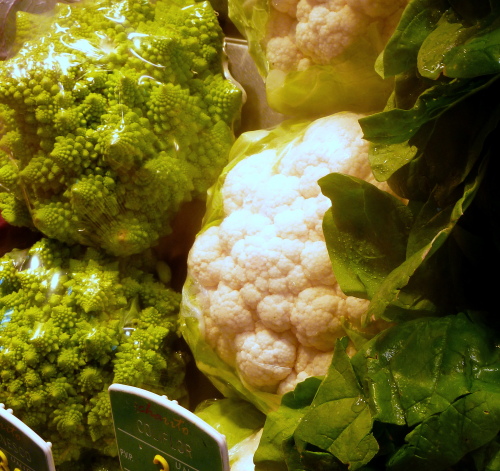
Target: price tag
x,y
154,433
21,449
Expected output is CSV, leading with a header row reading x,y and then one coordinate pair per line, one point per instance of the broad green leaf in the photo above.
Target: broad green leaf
x,y
435,127
339,420
487,457
386,159
422,394
308,460
280,424
441,440
437,44
419,368
434,224
400,53
398,125
369,240
462,48
343,428
473,59
426,237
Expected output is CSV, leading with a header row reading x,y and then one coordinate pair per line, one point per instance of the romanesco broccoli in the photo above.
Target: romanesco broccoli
x,y
112,114
73,320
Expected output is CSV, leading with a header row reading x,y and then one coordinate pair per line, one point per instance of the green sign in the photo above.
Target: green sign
x,y
21,449
154,433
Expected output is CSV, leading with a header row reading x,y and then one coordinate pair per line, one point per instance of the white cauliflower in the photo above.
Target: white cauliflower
x,y
271,306
304,32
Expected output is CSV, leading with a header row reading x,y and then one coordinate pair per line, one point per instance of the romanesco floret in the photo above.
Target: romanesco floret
x,y
73,320
118,116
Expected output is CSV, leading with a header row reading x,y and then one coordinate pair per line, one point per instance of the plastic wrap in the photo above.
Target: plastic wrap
x,y
8,10
240,422
261,307
112,114
318,58
72,322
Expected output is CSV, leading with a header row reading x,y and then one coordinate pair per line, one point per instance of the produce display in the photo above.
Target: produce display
x,y
320,291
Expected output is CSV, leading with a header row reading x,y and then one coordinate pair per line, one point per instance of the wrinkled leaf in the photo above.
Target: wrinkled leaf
x,y
488,457
443,439
417,21
339,420
281,423
422,394
460,48
427,236
421,367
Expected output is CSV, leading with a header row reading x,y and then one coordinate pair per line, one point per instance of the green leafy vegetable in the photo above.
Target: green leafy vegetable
x,y
347,432
424,394
361,264
435,144
280,424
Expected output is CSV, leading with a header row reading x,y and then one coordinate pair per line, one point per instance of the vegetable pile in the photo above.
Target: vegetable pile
x,y
112,114
340,290
422,394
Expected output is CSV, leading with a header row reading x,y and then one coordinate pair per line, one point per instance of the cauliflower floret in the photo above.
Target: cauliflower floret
x,y
281,49
317,315
316,262
274,311
265,357
245,178
316,148
226,308
205,254
270,203
325,29
275,307
239,225
310,362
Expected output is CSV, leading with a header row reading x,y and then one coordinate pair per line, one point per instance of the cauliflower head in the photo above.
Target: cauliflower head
x,y
112,114
306,32
270,305
74,320
318,57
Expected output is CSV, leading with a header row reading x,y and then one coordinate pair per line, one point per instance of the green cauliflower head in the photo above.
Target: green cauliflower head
x,y
112,114
72,322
